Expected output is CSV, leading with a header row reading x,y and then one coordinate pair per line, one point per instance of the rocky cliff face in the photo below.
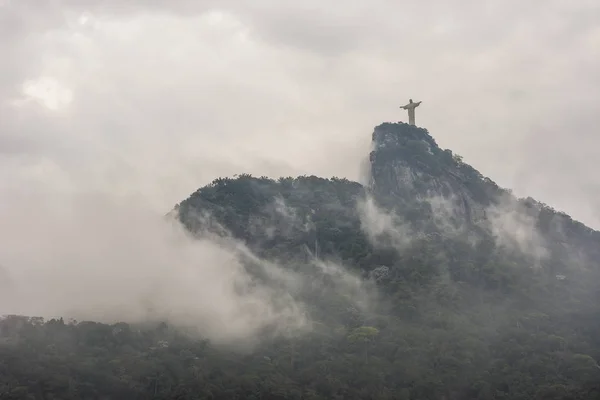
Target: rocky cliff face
x,y
408,165
411,173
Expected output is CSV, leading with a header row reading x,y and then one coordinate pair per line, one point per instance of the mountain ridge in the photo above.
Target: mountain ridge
x,y
428,282
406,164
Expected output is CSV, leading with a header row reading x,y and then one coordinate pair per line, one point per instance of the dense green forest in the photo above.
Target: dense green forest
x,y
429,282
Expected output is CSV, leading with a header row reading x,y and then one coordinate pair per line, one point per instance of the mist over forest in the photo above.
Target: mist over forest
x,y
428,281
225,200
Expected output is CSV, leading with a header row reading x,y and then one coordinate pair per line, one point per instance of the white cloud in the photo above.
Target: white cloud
x,y
48,92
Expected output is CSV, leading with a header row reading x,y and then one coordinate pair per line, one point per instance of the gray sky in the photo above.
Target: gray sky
x,y
153,99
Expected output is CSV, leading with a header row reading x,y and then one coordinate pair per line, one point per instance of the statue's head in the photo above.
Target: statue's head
x,y
410,100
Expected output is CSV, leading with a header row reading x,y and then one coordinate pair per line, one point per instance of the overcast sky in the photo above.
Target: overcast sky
x,y
154,99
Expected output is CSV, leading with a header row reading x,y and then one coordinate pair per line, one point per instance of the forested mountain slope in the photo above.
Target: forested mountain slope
x,y
431,282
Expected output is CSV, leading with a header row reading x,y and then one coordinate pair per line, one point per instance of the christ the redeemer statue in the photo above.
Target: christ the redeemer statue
x,y
411,110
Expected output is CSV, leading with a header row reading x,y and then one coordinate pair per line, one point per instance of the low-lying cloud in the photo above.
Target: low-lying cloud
x,y
508,224
383,227
516,230
101,259
112,261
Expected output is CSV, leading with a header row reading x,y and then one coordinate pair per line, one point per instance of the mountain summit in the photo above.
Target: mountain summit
x,y
425,189
407,164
